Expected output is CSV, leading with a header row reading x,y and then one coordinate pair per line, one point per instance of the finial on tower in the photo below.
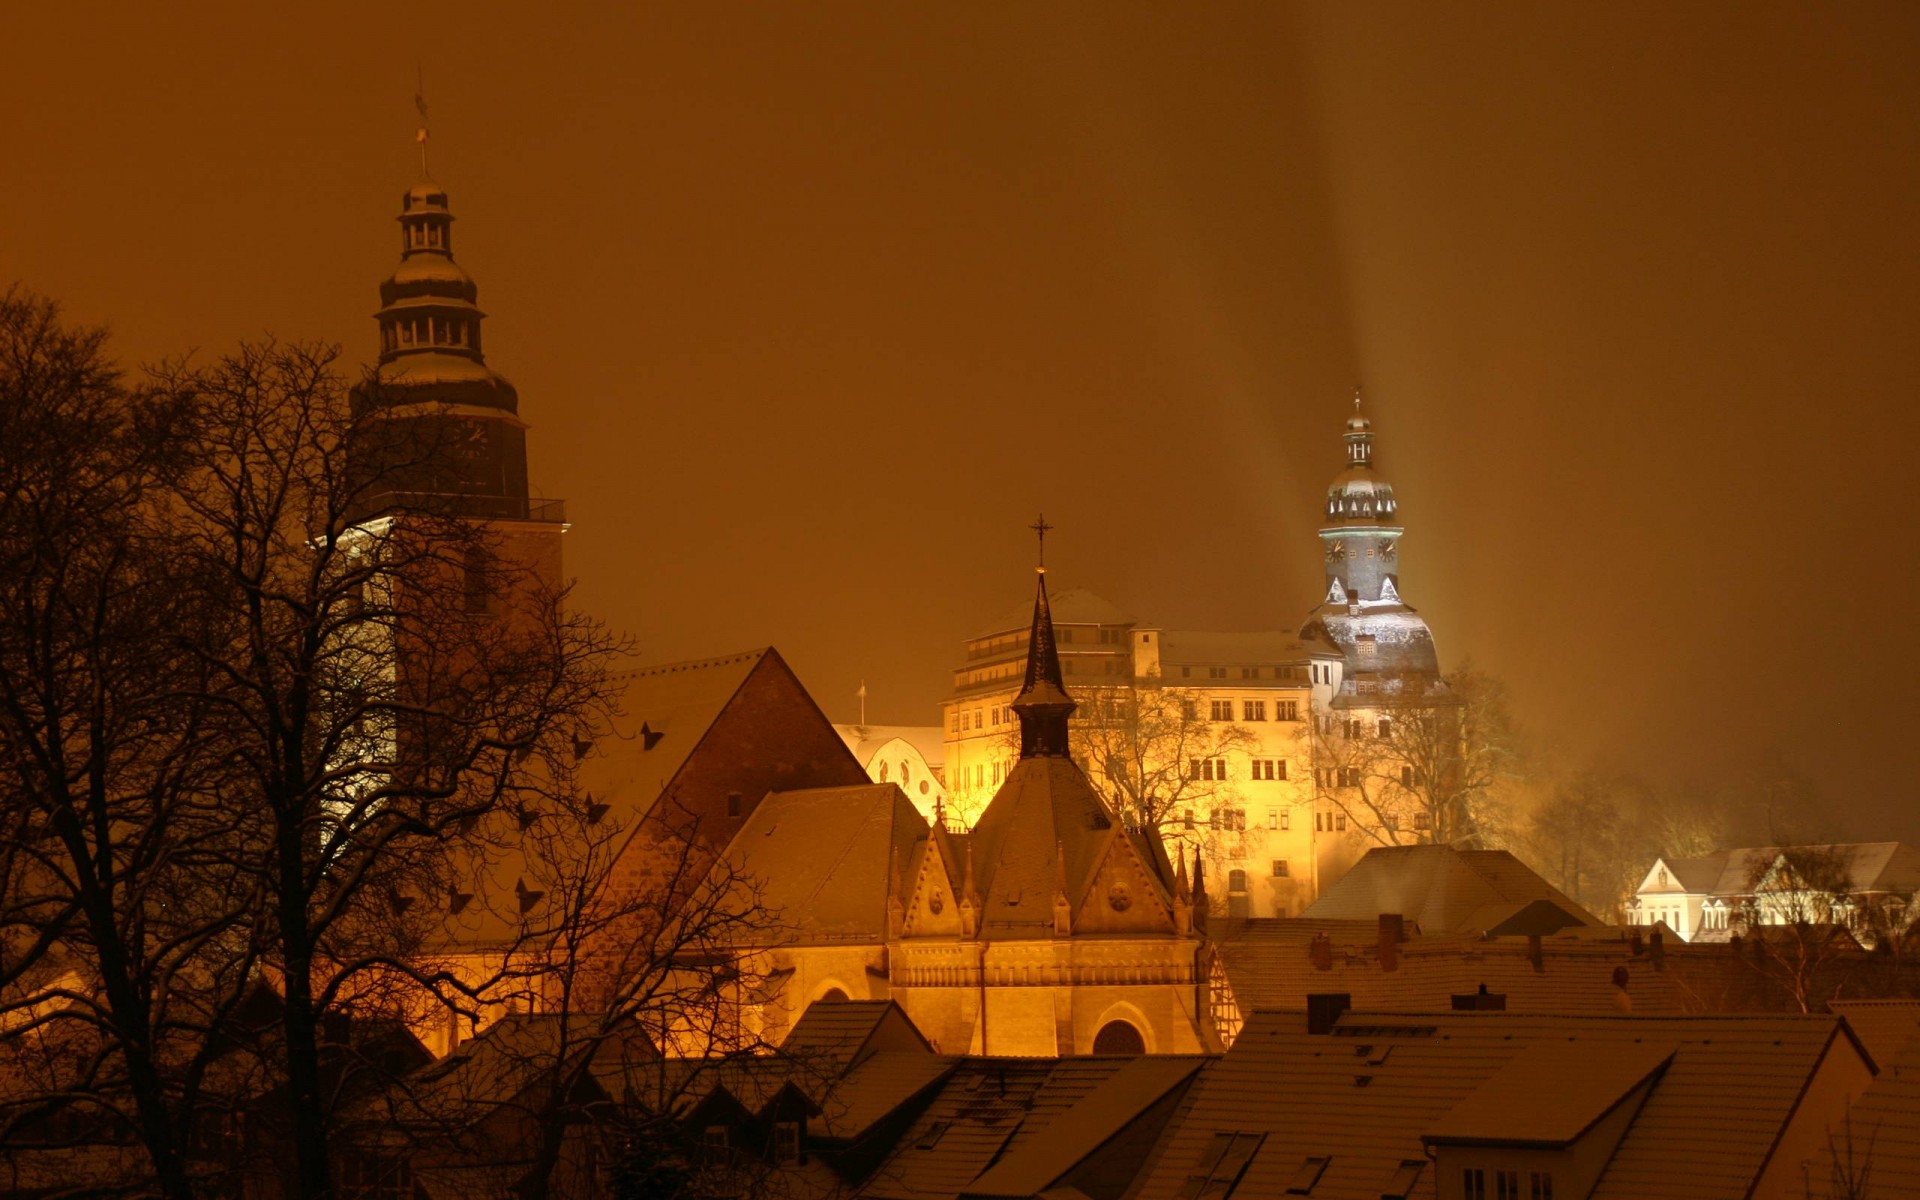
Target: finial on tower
x,y
420,105
1356,397
1040,530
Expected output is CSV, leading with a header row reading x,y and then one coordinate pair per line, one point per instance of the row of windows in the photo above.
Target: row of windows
x,y
1254,710
1347,777
429,331
1227,817
1506,1185
1214,770
1294,673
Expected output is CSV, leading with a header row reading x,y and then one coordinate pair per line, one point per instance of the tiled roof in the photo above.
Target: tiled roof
x,y
1440,887
1269,965
1045,808
1037,1118
1879,1142
1364,1097
1885,1027
1073,606
1551,1092
819,858
1868,866
1237,649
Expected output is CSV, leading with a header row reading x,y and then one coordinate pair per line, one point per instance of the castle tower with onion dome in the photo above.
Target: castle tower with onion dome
x,y
1388,648
1384,722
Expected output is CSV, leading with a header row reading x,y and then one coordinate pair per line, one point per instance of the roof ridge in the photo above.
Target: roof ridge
x,y
718,660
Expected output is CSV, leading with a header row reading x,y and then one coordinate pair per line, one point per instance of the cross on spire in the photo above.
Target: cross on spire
x,y
1041,529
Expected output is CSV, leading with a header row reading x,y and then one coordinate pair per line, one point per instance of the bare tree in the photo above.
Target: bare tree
x,y
123,919
1424,767
1157,759
1793,922
364,709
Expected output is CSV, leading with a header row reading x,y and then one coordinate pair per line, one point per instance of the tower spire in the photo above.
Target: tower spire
x,y
420,106
1043,705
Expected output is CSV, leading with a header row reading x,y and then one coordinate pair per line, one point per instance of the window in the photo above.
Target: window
x,y
1540,1185
786,1141
1286,819
1216,672
1280,868
1400,1186
1473,1184
1273,818
1340,822
1253,710
1662,877
1349,777
1222,710
1353,728
1229,819
1506,1185
976,718
1423,821
1236,881
1307,1175
1222,1161
1249,672
1319,822
1268,768
1286,710
477,589
1406,777
1210,769
1386,727
953,723
374,1177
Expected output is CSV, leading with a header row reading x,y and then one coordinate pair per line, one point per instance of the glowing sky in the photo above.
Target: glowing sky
x,y
813,306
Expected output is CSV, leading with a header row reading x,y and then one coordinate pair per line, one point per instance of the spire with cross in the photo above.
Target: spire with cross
x,y
1040,530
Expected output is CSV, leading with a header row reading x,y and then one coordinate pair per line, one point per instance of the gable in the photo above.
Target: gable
x,y
933,893
1122,896
769,737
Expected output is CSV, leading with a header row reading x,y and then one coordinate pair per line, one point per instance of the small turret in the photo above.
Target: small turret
x,y
1062,906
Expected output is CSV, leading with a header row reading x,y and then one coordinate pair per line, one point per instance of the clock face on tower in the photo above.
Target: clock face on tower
x,y
1336,552
1388,548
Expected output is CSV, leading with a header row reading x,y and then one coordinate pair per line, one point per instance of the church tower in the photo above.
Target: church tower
x,y
1050,928
446,434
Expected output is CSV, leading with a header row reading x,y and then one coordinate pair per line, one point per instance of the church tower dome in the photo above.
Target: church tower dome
x,y
449,419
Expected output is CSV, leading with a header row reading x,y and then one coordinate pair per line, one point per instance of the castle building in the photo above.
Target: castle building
x,y
1264,750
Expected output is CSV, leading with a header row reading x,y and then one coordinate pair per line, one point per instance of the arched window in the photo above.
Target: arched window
x,y
1119,1037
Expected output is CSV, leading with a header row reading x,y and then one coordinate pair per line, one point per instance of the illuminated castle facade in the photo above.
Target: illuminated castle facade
x,y
1257,768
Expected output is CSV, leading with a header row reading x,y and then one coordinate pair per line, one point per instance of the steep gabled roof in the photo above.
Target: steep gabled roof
x,y
1885,1027
1441,887
1879,1142
665,711
820,858
1036,1118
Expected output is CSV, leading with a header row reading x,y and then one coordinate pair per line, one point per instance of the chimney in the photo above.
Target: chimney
x,y
1393,931
1320,952
1535,955
1481,1001
1633,941
1622,1002
1657,950
1324,1009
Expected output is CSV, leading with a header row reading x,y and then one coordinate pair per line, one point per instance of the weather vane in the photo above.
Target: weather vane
x,y
420,103
1041,529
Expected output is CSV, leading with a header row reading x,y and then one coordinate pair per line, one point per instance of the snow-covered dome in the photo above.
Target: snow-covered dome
x,y
1358,496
